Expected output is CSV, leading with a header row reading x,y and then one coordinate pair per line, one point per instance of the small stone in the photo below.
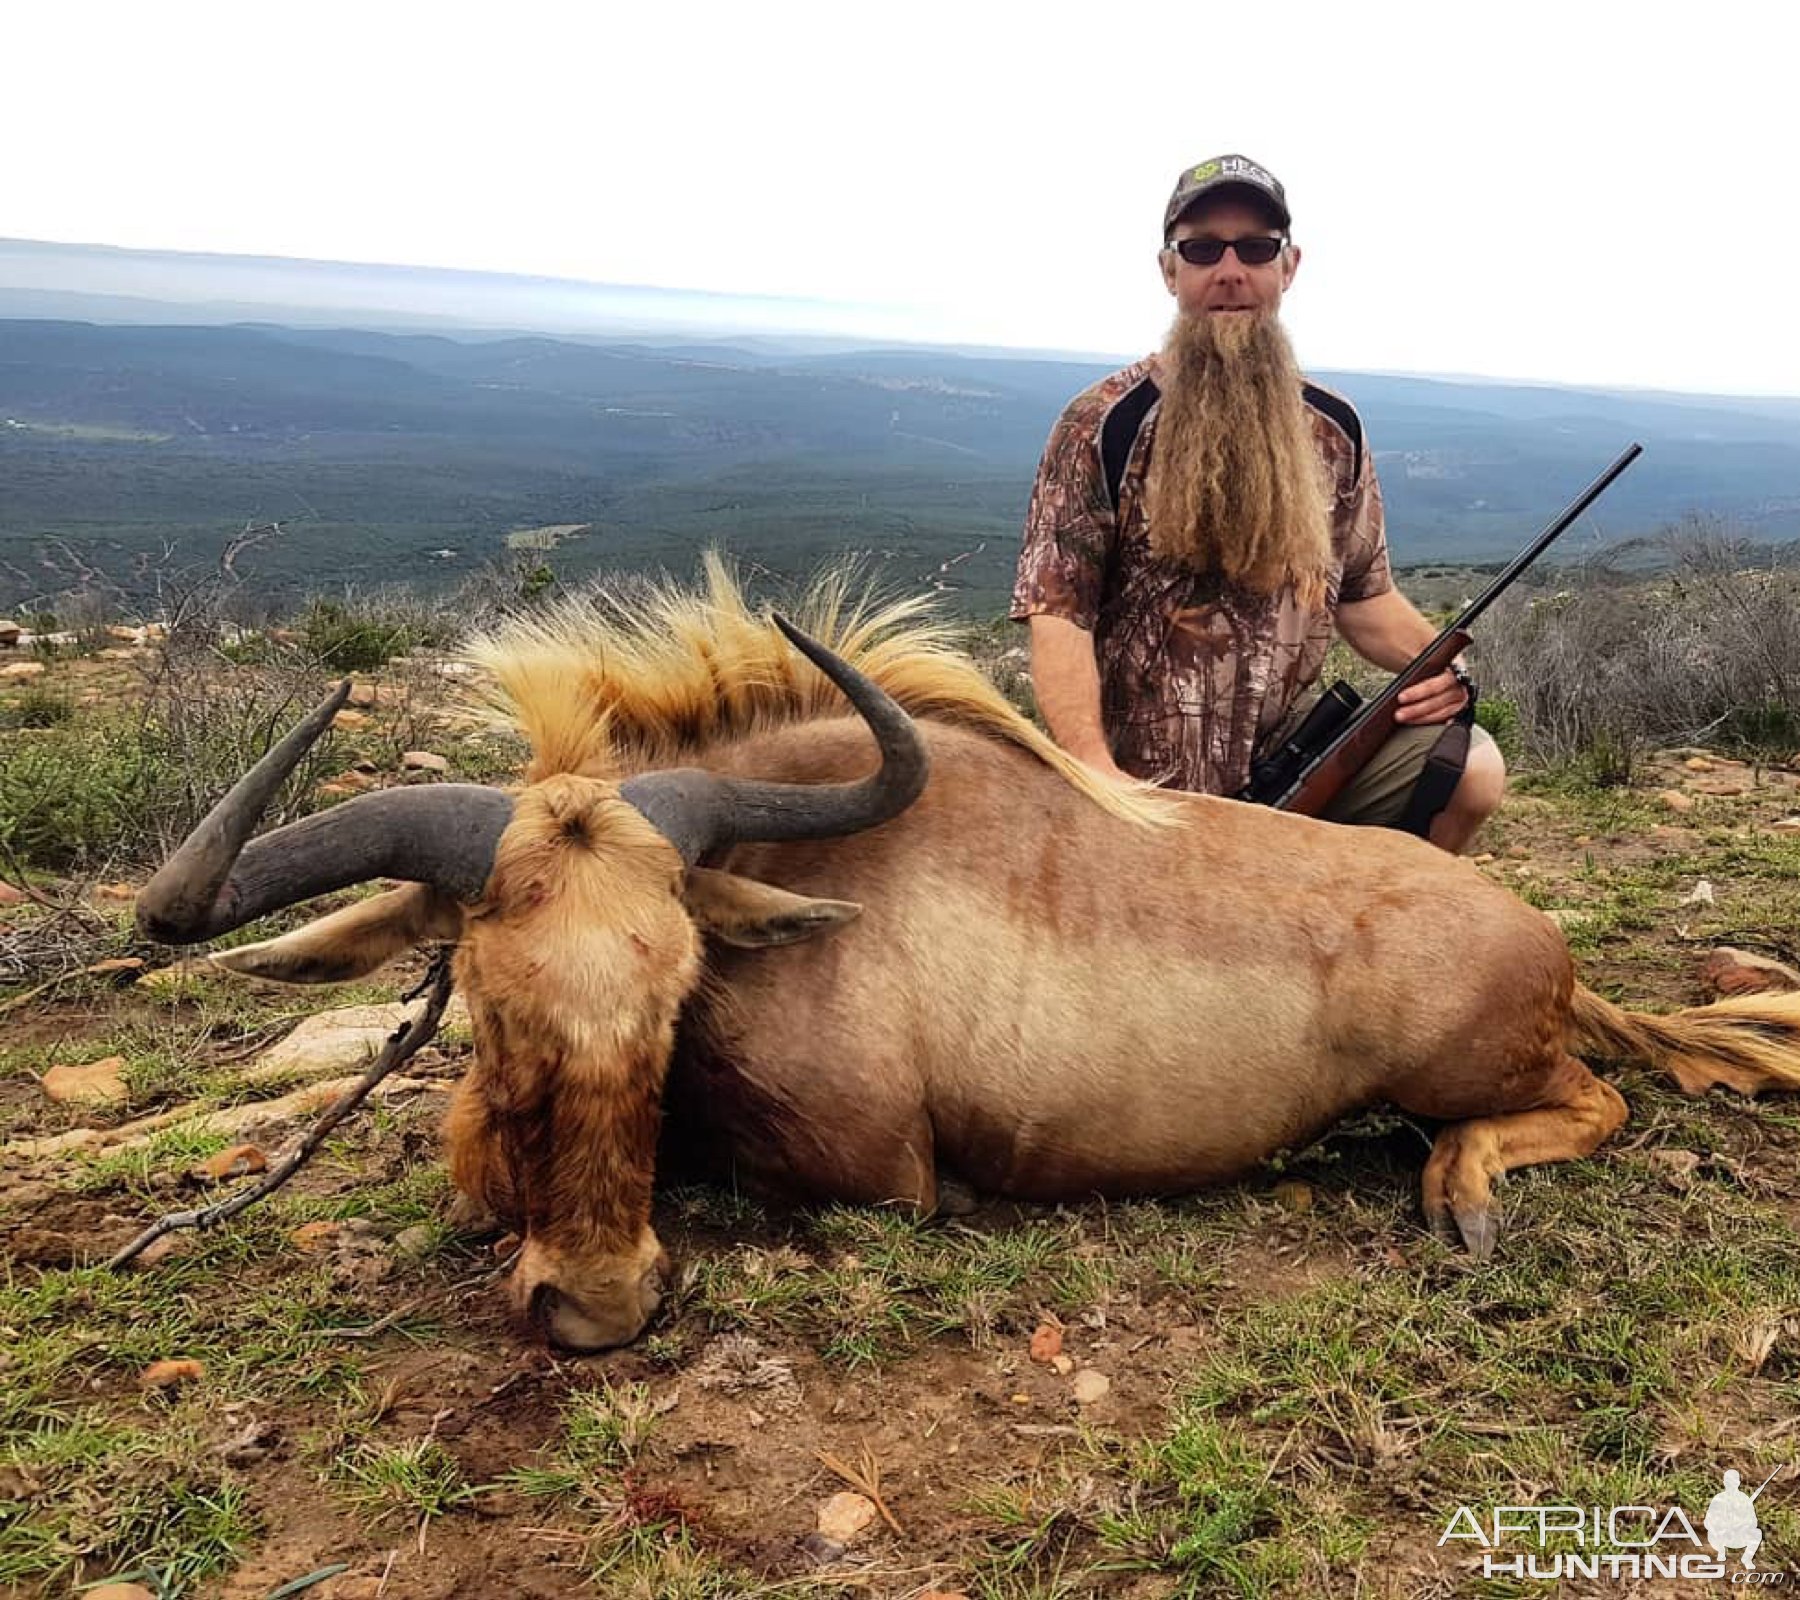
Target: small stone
x,y
423,761
313,1236
1064,1365
118,1591
96,1083
846,1516
1677,1166
1727,971
1090,1386
9,633
351,720
1292,1195
169,1374
23,669
363,696
159,1250
1699,764
1046,1343
824,1552
415,1241
237,1162
1675,800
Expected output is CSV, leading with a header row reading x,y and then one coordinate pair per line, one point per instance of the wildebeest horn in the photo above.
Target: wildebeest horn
x,y
220,878
698,811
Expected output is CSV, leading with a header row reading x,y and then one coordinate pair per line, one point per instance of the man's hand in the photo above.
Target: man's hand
x,y
1431,700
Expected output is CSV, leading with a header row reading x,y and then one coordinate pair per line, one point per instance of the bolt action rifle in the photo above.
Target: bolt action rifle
x,y
1341,733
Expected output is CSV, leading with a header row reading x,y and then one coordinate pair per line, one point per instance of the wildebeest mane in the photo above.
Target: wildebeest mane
x,y
639,674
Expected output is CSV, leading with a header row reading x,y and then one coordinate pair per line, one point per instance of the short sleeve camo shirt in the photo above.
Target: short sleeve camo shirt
x,y
1193,671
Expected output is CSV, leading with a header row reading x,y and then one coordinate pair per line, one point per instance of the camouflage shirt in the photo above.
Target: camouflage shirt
x,y
1194,671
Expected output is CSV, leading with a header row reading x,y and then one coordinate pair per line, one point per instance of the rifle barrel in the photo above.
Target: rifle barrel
x,y
1545,539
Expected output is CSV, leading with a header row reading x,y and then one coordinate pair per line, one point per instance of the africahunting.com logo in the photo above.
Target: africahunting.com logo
x,y
1628,1542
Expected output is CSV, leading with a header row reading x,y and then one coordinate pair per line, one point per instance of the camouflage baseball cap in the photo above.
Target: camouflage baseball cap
x,y
1226,172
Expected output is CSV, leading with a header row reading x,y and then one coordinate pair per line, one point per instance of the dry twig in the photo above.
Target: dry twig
x,y
865,1480
401,1046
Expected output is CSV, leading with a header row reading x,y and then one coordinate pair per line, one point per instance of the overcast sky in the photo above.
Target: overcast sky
x,y
1579,192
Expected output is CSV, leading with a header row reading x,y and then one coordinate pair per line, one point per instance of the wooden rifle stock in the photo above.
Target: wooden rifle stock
x,y
1321,776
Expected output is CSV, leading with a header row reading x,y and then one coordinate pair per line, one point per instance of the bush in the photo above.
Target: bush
x,y
1707,650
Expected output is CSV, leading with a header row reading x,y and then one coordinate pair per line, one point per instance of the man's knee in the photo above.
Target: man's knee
x,y
1483,782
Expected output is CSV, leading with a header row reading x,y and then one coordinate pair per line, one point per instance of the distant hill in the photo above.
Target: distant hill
x,y
392,456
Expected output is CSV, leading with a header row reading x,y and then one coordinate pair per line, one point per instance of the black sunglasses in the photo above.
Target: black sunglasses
x,y
1256,251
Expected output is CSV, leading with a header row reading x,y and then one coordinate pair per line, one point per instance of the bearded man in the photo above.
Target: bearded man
x,y
1201,521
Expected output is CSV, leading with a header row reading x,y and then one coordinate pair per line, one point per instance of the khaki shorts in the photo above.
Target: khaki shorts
x,y
1376,797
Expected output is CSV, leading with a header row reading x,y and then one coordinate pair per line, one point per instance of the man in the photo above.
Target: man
x,y
1200,522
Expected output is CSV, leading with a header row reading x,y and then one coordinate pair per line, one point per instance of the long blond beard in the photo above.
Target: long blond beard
x,y
1236,483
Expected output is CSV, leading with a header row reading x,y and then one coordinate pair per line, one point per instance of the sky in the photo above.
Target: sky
x,y
1579,192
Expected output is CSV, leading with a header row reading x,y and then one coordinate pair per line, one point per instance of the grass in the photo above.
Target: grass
x,y
1341,1382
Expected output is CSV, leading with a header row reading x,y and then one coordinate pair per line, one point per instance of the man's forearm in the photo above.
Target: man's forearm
x,y
1066,680
1388,630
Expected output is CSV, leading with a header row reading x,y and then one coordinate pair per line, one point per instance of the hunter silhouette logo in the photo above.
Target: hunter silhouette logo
x,y
1731,1520
1624,1542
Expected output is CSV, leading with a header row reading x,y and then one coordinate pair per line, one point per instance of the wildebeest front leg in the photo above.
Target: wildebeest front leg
x,y
1575,1115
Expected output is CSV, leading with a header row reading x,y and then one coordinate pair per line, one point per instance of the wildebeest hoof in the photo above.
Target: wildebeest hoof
x,y
1442,1225
1480,1229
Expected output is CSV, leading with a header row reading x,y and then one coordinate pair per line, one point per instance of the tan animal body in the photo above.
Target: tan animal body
x,y
1054,987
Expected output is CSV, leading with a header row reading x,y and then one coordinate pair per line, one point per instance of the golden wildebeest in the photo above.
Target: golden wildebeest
x,y
1044,984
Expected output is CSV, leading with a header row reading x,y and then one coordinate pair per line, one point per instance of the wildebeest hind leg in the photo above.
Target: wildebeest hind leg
x,y
1572,1117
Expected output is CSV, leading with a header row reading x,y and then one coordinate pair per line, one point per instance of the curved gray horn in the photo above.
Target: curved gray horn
x,y
220,878
699,811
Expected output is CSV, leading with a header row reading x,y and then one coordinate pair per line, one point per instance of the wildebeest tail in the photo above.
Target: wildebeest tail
x,y
1750,1043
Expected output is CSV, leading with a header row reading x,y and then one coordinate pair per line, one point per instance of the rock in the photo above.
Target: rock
x,y
1090,1386
344,1040
1675,800
943,1594
9,633
170,1374
159,1250
124,634
23,669
423,761
846,1516
1727,971
1699,764
363,696
95,1083
237,1162
351,720
1677,1166
1046,1343
416,1241
1786,824
313,1236
1064,1365
117,894
823,1552
350,781
118,1591
1292,1195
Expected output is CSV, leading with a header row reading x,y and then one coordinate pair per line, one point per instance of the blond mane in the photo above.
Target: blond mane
x,y
642,674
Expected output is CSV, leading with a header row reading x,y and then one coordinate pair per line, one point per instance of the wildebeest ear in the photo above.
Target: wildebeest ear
x,y
352,942
743,912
